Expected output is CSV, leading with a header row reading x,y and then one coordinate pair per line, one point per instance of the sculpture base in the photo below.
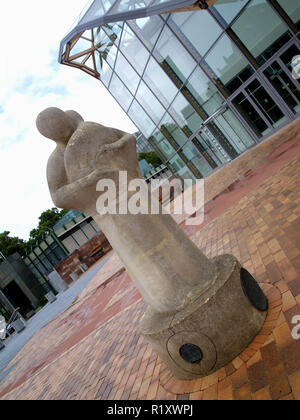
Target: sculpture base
x,y
212,330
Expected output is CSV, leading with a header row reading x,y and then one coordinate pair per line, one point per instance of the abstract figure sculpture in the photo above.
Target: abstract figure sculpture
x,y
201,313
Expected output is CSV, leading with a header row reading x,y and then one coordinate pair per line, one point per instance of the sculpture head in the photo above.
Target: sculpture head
x,y
58,125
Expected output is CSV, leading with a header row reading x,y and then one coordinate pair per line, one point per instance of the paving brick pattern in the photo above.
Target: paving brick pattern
x,y
94,350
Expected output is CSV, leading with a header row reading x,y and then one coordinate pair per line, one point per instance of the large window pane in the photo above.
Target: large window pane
x,y
150,103
184,114
234,131
129,5
126,73
202,93
174,58
292,8
141,119
104,69
120,92
148,29
190,23
171,130
229,9
180,168
164,146
261,30
135,52
228,64
160,83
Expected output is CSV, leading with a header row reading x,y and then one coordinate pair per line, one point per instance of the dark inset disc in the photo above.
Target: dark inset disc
x,y
252,291
191,353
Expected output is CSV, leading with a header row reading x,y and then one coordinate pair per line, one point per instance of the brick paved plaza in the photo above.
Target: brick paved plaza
x,y
93,350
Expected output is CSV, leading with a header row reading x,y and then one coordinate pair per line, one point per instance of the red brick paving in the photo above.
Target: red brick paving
x,y
94,350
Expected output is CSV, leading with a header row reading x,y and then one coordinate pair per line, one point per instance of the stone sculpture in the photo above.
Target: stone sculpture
x,y
201,312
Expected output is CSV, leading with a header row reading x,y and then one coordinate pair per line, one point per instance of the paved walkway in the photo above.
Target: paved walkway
x,y
93,350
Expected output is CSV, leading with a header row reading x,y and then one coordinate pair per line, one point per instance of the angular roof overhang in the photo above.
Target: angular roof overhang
x,y
99,13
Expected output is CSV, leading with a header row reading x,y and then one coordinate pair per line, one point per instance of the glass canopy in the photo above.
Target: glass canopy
x,y
92,31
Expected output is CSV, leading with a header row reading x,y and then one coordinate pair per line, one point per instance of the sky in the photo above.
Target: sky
x,y
31,79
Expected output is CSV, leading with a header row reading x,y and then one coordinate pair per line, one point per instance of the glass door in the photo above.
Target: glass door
x,y
279,75
259,108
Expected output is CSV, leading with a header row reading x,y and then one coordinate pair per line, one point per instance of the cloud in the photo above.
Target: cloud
x,y
31,80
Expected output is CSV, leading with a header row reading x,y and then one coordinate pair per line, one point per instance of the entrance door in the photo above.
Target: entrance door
x,y
279,75
259,108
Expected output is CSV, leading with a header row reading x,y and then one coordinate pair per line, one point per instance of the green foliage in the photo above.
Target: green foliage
x,y
151,158
9,244
46,221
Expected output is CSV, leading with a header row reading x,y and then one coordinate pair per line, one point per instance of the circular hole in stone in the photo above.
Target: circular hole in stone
x,y
191,353
252,291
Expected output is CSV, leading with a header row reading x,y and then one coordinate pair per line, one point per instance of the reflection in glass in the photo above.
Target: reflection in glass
x,y
284,86
171,130
180,168
129,5
193,155
265,103
202,93
250,114
150,103
270,32
126,73
184,114
228,64
141,119
234,130
148,29
120,92
291,8
134,50
189,23
159,82
174,58
104,69
229,9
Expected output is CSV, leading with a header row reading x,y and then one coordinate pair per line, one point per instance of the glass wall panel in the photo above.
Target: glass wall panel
x,y
147,29
159,82
135,52
229,65
189,24
194,156
202,93
120,92
150,103
229,9
184,114
174,58
104,69
234,131
261,30
126,73
180,168
95,10
141,119
171,130
291,8
129,5
164,146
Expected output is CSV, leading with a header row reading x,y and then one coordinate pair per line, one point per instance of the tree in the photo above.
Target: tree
x,y
11,244
150,157
46,221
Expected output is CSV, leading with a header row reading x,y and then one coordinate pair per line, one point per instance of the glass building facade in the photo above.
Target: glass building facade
x,y
202,85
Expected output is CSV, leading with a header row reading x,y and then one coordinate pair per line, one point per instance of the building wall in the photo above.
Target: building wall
x,y
14,269
170,73
71,264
